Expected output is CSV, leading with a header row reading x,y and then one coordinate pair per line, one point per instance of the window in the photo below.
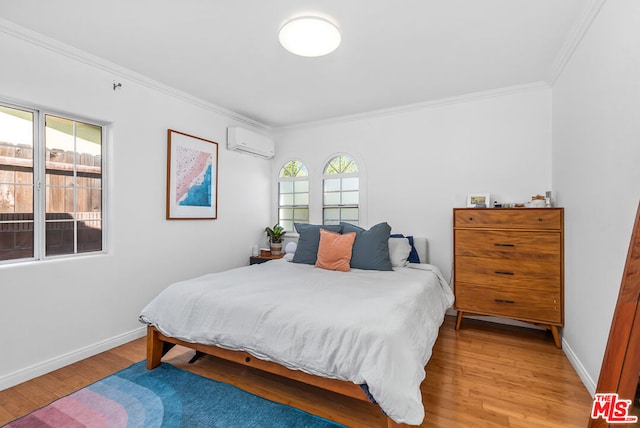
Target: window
x,y
293,195
16,183
51,185
341,191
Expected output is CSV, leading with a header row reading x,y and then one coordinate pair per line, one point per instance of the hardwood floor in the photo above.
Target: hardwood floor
x,y
485,375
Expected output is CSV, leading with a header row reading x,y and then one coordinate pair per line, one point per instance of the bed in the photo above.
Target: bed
x,y
366,334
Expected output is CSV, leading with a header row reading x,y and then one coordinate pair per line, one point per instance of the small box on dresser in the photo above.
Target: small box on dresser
x,y
509,262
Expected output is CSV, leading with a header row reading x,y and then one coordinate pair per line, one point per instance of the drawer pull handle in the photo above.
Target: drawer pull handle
x,y
498,272
504,301
504,245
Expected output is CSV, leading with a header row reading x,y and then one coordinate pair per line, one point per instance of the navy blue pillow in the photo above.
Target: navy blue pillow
x,y
307,249
371,247
413,255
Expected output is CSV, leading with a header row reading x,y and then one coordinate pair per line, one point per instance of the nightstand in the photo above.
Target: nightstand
x,y
254,260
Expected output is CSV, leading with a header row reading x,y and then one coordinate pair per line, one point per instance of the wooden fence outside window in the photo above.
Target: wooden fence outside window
x,y
64,203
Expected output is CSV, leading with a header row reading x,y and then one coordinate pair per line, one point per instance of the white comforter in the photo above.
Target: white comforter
x,y
363,326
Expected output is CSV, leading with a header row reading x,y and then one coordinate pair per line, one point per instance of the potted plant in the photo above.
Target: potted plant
x,y
275,235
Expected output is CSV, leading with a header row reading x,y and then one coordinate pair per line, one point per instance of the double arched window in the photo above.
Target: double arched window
x,y
340,193
293,195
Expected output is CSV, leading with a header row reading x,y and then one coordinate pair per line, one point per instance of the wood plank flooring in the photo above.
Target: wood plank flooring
x,y
485,375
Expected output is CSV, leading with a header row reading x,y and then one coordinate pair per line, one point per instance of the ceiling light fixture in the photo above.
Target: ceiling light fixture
x,y
310,36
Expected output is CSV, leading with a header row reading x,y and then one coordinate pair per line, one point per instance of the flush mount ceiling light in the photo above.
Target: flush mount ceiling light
x,y
310,36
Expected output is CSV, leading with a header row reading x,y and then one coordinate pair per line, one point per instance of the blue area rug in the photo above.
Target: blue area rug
x,y
166,397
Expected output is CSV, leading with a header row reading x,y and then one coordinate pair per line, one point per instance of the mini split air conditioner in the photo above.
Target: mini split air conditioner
x,y
243,140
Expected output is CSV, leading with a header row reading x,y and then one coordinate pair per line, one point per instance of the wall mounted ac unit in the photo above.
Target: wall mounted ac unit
x,y
243,140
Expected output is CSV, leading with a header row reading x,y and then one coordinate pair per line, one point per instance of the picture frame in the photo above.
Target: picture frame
x,y
192,177
479,200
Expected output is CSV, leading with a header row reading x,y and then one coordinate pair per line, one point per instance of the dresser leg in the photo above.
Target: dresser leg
x,y
556,337
458,320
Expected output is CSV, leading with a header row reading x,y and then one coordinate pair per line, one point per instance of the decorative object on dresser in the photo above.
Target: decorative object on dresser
x,y
510,263
479,200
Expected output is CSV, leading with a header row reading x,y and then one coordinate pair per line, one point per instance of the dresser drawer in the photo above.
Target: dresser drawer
x,y
543,307
507,218
522,274
508,244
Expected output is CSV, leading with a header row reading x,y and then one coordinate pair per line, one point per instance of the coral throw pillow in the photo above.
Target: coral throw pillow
x,y
334,250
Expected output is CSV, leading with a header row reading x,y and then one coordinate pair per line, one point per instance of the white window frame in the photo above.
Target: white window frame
x,y
39,185
358,175
280,179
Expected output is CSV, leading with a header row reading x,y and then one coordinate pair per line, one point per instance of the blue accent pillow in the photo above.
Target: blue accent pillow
x,y
413,255
371,247
307,249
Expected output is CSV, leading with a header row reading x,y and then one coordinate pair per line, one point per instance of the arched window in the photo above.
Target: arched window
x,y
293,195
341,191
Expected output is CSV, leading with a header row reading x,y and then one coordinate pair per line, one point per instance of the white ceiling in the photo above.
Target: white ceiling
x,y
393,53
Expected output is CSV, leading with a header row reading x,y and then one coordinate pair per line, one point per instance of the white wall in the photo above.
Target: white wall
x,y
596,173
54,312
422,162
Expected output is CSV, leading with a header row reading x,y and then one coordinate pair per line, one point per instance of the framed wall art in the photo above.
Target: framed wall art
x,y
478,200
192,177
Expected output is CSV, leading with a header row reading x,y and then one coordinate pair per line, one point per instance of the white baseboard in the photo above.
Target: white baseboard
x,y
579,368
22,375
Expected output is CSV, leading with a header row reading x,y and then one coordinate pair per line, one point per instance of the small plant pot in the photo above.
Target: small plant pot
x,y
276,249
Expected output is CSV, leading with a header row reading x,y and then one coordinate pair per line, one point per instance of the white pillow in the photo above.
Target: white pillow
x,y
290,248
399,250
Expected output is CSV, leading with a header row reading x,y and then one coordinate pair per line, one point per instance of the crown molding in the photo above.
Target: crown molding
x,y
584,21
30,36
470,97
577,33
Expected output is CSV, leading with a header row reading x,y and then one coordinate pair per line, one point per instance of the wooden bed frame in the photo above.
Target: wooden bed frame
x,y
157,344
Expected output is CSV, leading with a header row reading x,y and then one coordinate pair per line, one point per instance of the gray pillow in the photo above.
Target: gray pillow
x,y
307,250
371,248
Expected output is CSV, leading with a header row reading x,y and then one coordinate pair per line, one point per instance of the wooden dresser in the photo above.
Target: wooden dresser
x,y
509,262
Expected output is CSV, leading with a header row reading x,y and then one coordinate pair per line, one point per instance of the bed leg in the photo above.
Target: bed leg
x,y
154,348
